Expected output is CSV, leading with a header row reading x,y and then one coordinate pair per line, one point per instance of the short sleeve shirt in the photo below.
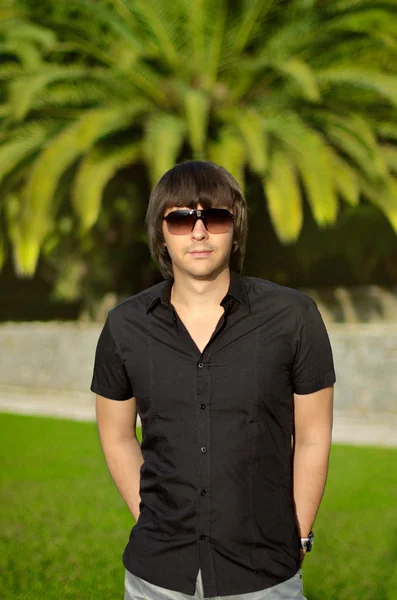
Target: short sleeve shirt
x,y
217,425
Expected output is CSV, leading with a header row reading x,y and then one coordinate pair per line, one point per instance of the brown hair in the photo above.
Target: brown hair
x,y
189,184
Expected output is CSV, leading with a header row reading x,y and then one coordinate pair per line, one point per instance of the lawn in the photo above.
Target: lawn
x,y
63,525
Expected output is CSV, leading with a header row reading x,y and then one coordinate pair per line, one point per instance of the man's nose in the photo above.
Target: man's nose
x,y
199,230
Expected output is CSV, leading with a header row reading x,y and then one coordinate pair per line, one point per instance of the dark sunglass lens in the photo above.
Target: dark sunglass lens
x,y
219,220
179,223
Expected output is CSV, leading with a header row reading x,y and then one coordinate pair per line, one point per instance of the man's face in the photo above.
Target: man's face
x,y
199,252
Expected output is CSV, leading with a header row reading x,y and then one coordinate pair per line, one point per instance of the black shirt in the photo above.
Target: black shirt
x,y
216,482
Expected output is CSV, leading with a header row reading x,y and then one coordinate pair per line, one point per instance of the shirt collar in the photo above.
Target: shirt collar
x,y
237,290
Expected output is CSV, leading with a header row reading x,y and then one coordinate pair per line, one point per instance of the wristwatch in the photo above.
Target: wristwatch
x,y
307,543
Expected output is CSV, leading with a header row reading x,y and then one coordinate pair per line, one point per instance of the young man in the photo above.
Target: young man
x,y
232,377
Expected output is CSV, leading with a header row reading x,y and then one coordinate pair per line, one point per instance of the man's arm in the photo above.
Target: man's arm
x,y
116,422
312,442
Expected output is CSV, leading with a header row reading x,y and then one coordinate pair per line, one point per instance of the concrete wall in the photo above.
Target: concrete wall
x,y
46,358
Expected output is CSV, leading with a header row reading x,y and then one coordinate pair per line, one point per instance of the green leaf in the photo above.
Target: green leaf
x,y
283,195
24,31
371,20
9,13
251,126
25,246
389,153
22,90
387,129
309,152
163,140
215,43
383,196
20,144
9,71
196,105
254,11
195,28
65,148
27,53
345,179
384,84
228,151
366,155
82,94
95,170
303,77
288,39
158,18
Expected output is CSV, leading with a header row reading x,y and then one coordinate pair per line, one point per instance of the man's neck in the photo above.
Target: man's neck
x,y
197,295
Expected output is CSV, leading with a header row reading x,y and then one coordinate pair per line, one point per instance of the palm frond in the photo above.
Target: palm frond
x,y
389,153
27,53
100,13
22,90
251,126
157,17
345,179
9,13
25,245
308,150
384,197
387,129
65,148
362,130
288,39
195,33
354,137
369,19
23,143
283,195
80,93
95,170
8,71
196,110
163,140
228,151
253,13
384,84
29,32
214,43
302,75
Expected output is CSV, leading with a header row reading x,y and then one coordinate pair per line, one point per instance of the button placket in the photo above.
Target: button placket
x,y
203,399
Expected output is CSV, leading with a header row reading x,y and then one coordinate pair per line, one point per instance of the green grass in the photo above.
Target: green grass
x,y
63,525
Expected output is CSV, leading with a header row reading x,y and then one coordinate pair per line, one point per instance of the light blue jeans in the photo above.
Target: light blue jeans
x,y
139,589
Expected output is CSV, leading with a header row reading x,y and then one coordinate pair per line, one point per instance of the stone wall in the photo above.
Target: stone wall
x,y
56,356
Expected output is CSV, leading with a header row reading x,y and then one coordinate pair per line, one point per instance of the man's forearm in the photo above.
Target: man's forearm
x,y
124,460
310,475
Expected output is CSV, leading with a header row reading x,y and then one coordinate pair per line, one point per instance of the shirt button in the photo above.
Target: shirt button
x,y
203,449
202,537
202,406
201,365
203,492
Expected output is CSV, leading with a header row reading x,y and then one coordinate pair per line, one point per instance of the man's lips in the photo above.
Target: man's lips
x,y
200,252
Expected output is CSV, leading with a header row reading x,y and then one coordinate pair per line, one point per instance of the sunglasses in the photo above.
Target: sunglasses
x,y
216,220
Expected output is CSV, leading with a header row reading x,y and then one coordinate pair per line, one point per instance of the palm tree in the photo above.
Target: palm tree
x,y
300,93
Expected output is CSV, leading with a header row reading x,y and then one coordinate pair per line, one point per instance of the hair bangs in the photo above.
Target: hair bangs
x,y
193,184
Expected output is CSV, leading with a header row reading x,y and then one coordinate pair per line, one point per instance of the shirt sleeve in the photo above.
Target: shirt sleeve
x,y
313,367
110,378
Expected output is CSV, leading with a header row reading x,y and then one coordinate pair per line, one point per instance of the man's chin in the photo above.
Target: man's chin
x,y
205,271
